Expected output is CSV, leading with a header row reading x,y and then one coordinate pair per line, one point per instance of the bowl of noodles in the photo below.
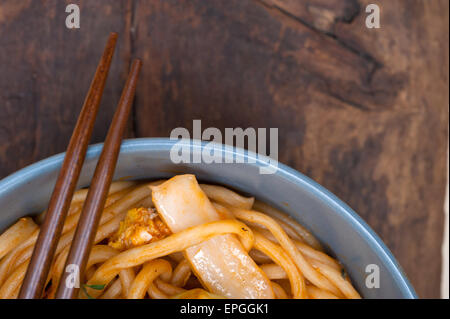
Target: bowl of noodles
x,y
201,230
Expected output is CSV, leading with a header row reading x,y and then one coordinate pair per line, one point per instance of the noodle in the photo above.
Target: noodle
x,y
302,231
277,231
127,277
90,272
279,291
99,254
155,293
8,262
181,273
176,242
225,196
80,195
317,293
15,235
151,270
168,288
164,264
279,256
273,271
114,291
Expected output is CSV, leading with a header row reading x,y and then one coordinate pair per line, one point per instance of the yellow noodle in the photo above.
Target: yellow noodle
x,y
181,273
176,242
80,196
273,271
90,272
226,196
113,291
303,265
280,257
302,231
155,293
15,235
317,293
12,284
285,251
99,254
72,220
309,253
126,276
145,277
279,291
109,224
8,262
336,278
168,288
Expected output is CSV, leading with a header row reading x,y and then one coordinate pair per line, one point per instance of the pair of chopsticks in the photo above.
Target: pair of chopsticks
x,y
46,244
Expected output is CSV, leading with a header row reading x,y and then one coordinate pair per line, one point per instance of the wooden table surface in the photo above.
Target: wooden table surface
x,y
362,111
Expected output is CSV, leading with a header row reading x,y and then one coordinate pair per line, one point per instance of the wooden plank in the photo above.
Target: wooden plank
x,y
46,70
353,106
363,112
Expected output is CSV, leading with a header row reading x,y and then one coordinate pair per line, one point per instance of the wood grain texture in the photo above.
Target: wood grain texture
x,y
45,72
363,112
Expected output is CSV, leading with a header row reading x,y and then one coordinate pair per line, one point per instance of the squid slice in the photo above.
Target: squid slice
x,y
221,263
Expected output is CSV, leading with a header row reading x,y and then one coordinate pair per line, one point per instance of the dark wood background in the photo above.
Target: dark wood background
x,y
362,111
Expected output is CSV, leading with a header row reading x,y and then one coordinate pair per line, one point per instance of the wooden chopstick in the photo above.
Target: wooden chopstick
x,y
44,250
96,197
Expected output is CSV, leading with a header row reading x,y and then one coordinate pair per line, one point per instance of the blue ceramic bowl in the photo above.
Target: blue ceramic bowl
x,y
336,225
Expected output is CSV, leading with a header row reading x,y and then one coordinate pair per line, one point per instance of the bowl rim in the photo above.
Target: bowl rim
x,y
294,176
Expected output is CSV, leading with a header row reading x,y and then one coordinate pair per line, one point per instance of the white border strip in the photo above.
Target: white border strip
x,y
445,247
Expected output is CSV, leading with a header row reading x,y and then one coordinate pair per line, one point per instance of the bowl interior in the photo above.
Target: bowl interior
x,y
341,230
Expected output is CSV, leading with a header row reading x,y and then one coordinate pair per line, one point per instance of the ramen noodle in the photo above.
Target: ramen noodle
x,y
177,238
